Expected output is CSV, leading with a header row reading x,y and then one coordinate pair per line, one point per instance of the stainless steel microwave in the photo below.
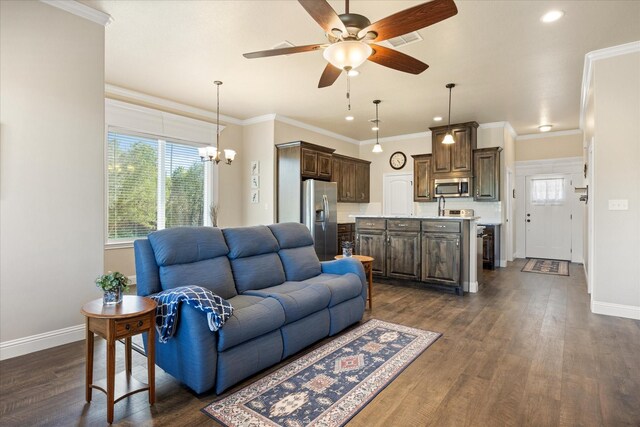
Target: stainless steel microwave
x,y
452,187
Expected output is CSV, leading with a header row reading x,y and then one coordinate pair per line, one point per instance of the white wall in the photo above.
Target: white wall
x,y
616,175
51,179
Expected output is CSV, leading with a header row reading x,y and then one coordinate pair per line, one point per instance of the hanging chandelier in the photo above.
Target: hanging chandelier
x,y
212,154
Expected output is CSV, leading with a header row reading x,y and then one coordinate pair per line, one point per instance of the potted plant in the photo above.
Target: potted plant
x,y
114,285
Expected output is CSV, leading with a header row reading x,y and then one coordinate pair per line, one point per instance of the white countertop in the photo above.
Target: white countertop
x,y
481,222
448,218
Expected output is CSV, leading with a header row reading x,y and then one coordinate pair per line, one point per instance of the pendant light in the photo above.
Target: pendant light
x,y
377,148
448,138
212,154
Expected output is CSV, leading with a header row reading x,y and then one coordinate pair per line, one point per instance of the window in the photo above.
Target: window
x,y
153,183
548,191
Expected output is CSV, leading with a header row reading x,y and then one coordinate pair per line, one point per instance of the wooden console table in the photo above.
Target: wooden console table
x,y
367,263
133,316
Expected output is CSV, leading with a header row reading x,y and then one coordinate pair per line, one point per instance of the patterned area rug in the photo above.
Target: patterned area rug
x,y
547,266
329,385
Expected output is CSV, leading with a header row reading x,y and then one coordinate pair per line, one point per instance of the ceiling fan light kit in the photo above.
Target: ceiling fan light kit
x,y
352,36
448,138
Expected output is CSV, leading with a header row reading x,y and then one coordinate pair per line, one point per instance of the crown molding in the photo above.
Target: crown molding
x,y
549,134
81,10
587,72
259,119
161,102
290,121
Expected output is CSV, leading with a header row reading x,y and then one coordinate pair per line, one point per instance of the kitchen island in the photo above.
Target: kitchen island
x,y
433,250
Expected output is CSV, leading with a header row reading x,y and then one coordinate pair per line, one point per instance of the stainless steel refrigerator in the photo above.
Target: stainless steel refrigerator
x,y
319,214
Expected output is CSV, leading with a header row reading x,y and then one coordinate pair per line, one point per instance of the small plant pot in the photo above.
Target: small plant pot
x,y
112,297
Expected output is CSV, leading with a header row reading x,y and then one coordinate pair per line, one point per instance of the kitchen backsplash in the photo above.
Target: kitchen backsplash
x,y
488,211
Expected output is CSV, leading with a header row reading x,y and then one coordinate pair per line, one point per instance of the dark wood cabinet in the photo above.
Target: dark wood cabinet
x,y
441,258
403,254
315,162
454,160
362,182
486,169
352,177
297,161
422,182
373,243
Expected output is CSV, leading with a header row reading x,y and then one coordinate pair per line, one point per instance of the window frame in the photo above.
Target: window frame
x,y
134,120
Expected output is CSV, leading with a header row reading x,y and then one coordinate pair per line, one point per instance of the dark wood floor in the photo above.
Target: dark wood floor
x,y
525,350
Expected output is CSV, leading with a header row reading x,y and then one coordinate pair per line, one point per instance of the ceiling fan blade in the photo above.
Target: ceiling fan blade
x,y
323,14
396,60
284,51
411,19
329,76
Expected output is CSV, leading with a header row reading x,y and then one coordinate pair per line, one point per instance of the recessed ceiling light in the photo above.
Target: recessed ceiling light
x,y
544,128
552,16
437,119
375,128
353,73
349,118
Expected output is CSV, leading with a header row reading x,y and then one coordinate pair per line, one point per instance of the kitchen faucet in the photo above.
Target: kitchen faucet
x,y
441,209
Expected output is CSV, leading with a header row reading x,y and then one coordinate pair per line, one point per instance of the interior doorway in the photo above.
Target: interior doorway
x,y
548,217
397,194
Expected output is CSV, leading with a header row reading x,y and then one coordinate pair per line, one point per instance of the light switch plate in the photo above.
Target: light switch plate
x,y
619,205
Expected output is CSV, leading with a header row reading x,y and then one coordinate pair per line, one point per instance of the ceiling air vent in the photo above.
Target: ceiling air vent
x,y
403,40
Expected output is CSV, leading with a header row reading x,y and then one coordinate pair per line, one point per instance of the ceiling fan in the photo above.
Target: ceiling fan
x,y
352,37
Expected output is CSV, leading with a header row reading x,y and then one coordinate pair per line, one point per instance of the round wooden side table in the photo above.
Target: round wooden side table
x,y
367,263
133,316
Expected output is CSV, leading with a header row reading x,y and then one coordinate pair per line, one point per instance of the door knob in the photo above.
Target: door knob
x,y
528,220
528,214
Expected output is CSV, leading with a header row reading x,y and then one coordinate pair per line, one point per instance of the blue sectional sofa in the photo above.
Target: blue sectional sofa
x,y
284,299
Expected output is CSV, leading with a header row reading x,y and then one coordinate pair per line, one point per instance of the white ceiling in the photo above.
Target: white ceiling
x,y
507,65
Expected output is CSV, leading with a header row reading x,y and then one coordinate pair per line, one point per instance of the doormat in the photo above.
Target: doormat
x,y
329,385
547,266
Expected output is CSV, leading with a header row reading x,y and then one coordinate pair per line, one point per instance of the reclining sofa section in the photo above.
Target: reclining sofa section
x,y
284,298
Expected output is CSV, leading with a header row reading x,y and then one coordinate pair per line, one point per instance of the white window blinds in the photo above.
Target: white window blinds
x,y
152,184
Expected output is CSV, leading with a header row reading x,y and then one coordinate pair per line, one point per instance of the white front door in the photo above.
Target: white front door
x,y
397,189
548,217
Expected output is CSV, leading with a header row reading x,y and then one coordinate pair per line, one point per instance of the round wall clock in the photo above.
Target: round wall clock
x,y
398,160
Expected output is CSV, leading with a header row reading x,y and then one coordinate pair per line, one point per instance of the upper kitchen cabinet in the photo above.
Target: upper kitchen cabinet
x,y
352,176
316,161
455,160
422,181
486,180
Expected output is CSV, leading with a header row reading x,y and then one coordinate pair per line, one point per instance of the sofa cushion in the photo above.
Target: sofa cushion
x,y
291,235
297,252
213,274
183,245
300,263
252,316
257,272
343,287
297,298
250,241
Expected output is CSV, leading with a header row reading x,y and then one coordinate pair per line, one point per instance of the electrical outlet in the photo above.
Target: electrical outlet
x,y
619,205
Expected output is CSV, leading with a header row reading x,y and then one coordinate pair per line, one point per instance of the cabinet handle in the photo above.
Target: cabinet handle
x,y
370,223
477,192
428,195
403,225
127,326
139,323
458,243
440,226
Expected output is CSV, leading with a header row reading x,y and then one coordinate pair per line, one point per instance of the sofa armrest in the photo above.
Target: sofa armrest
x,y
344,266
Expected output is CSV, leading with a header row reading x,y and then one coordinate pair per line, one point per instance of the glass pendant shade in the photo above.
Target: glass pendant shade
x,y
348,54
229,155
448,139
377,148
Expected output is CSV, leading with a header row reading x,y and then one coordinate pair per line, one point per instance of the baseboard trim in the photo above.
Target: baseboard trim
x,y
21,346
502,263
618,310
473,287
